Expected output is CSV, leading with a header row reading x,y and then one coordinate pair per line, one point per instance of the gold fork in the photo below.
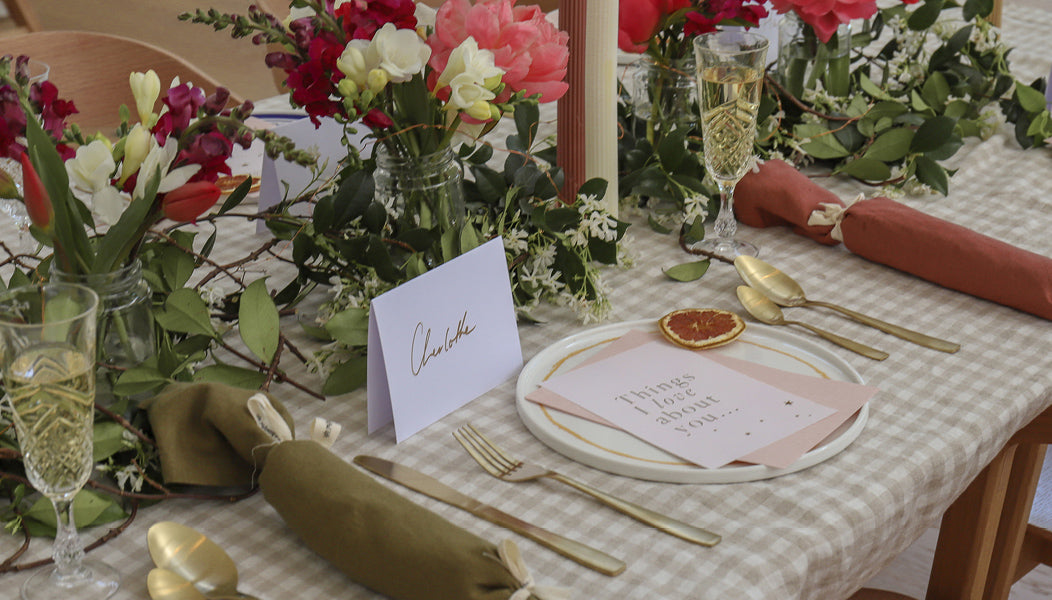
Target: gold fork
x,y
499,464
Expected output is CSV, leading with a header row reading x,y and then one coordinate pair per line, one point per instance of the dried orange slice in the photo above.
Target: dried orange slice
x,y
229,183
697,328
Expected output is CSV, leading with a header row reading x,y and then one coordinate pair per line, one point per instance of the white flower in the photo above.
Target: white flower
x,y
108,204
160,158
136,147
353,64
91,168
145,87
399,52
472,76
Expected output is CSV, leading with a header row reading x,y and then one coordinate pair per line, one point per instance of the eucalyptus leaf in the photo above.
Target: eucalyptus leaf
x,y
258,321
691,271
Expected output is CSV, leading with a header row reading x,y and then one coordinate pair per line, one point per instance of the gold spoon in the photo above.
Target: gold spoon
x,y
784,290
765,311
188,554
168,585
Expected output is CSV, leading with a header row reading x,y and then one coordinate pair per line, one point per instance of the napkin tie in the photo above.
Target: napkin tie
x,y
832,214
511,557
270,422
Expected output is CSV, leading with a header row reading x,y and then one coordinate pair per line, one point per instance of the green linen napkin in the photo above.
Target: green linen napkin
x,y
207,435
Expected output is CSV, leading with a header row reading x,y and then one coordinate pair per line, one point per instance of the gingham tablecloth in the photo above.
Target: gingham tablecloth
x,y
819,533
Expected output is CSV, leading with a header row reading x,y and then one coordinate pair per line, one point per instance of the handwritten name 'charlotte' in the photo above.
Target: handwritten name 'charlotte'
x,y
422,350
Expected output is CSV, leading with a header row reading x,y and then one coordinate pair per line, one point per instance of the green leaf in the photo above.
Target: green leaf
x,y
185,312
926,15
138,380
822,143
656,226
1030,99
176,265
933,175
890,146
867,169
107,440
346,377
527,117
350,326
238,377
88,508
236,196
672,149
936,90
873,89
691,271
258,321
932,134
977,8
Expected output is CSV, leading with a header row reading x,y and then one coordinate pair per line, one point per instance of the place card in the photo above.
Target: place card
x,y
440,340
686,403
278,174
845,397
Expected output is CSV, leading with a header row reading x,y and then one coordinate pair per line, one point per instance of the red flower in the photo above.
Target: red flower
x,y
826,15
37,200
376,119
53,110
639,20
311,82
190,200
361,20
211,151
12,124
719,11
182,102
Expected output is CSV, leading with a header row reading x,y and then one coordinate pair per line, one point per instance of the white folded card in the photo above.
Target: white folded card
x,y
440,340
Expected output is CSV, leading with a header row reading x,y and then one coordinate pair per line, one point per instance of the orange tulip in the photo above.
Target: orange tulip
x,y
35,196
190,200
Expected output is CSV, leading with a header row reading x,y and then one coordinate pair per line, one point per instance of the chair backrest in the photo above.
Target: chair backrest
x,y
995,14
22,15
92,69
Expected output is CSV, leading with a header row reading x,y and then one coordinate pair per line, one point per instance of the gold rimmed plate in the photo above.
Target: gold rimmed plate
x,y
621,453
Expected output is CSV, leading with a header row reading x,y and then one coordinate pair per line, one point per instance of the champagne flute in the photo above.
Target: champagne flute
x,y
730,68
47,354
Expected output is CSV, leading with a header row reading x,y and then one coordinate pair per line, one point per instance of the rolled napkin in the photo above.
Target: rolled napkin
x,y
898,236
206,435
213,434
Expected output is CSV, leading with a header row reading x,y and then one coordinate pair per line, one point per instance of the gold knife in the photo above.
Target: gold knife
x,y
415,480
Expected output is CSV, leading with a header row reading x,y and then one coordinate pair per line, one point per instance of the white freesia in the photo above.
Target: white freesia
x,y
108,205
136,147
146,87
399,52
160,158
91,168
353,64
471,75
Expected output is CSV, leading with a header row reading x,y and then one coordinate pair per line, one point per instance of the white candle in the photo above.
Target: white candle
x,y
600,84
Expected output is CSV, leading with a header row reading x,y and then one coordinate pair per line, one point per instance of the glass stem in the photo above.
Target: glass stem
x,y
68,552
725,226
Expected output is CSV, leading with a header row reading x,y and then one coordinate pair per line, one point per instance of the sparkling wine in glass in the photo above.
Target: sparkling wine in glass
x,y
47,354
730,78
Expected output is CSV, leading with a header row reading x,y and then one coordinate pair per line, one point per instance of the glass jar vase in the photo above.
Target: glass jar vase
x,y
125,329
664,95
805,61
423,191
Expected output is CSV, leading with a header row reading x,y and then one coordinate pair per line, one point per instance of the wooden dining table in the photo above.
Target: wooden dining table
x,y
936,423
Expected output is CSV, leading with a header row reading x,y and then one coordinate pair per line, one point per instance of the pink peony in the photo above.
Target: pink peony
x,y
826,15
530,50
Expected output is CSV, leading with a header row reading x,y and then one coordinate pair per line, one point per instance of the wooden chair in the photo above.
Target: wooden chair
x,y
92,70
874,594
22,15
995,14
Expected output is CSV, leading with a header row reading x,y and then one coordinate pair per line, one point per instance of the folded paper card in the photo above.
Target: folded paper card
x,y
845,397
687,404
441,339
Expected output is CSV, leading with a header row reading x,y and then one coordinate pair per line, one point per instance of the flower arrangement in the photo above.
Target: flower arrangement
x,y
416,81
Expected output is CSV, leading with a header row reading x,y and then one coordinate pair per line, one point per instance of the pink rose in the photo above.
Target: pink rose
x,y
532,53
826,15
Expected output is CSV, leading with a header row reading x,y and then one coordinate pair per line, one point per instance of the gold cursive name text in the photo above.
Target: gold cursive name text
x,y
422,351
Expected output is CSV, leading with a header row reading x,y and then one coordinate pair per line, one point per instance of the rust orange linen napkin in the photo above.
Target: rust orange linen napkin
x,y
893,234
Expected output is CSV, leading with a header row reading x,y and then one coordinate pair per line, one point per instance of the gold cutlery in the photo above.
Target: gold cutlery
x,y
499,464
766,311
785,291
183,552
417,481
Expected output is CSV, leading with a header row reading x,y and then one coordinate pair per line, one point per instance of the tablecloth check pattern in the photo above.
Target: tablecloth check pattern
x,y
817,534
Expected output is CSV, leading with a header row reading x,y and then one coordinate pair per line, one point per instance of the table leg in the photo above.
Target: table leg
x,y
968,533
1019,499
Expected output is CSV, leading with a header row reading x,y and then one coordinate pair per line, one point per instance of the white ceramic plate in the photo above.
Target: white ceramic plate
x,y
618,452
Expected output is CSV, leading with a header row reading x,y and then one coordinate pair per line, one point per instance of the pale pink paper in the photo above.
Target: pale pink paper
x,y
843,396
687,404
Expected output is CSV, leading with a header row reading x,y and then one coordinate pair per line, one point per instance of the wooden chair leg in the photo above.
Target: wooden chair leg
x,y
968,533
1019,499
